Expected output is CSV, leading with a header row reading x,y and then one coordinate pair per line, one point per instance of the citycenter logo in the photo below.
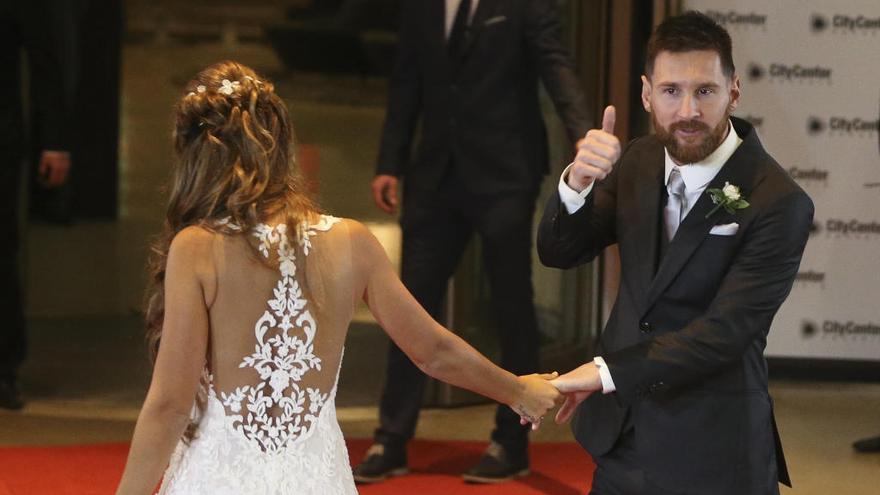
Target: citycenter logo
x,y
852,227
808,329
757,122
789,72
808,174
844,23
734,18
844,329
756,72
843,125
815,125
810,277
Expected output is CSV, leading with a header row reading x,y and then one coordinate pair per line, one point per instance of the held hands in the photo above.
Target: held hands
x,y
577,385
597,153
537,397
385,193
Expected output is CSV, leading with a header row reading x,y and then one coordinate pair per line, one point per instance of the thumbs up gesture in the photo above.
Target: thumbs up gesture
x,y
597,153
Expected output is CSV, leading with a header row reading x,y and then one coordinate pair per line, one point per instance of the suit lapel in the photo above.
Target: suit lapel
x,y
739,170
648,193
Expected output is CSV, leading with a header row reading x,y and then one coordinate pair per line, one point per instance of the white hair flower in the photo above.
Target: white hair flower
x,y
228,87
200,88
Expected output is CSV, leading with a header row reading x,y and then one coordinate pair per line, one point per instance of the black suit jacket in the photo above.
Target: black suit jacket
x,y
685,340
43,28
485,116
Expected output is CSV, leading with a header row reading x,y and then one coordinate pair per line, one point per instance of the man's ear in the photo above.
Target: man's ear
x,y
646,93
735,93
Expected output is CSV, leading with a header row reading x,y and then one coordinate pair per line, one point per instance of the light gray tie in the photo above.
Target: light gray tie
x,y
677,204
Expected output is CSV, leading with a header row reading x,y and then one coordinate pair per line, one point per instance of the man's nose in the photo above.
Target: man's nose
x,y
689,108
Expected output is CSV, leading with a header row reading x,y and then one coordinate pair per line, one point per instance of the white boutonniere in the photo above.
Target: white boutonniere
x,y
728,197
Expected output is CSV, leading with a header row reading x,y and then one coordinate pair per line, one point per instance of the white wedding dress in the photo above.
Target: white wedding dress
x,y
276,344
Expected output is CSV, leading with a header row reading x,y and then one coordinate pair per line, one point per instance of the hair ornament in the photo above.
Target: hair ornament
x,y
228,87
200,88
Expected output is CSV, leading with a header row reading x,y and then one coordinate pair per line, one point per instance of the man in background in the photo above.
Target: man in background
x,y
27,27
468,71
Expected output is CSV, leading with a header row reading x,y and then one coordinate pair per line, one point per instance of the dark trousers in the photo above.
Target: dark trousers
x,y
12,338
437,226
619,473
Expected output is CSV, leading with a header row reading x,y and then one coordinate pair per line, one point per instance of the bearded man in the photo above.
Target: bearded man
x,y
711,231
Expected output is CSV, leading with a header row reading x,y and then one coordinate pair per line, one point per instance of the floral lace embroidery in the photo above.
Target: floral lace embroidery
x,y
283,358
220,461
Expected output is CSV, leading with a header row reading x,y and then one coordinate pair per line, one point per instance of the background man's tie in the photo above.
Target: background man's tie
x,y
455,44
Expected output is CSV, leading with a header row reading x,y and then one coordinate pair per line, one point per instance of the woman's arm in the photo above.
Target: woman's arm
x,y
434,349
189,288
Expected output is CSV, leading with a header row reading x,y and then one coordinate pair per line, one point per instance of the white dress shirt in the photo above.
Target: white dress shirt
x,y
696,176
452,9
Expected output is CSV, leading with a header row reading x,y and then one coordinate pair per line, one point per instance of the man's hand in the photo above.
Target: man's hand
x,y
537,397
53,168
597,153
385,193
577,385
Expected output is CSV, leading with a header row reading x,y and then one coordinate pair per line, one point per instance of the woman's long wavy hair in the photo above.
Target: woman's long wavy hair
x,y
233,150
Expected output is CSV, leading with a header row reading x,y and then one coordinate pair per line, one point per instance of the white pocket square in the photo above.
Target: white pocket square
x,y
495,20
725,229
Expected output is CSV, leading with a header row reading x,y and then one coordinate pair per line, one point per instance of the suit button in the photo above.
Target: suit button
x,y
645,327
451,121
454,88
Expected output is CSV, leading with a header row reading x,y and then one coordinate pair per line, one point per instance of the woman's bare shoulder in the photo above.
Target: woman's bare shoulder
x,y
193,240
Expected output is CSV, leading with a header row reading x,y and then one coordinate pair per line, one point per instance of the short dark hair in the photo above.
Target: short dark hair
x,y
689,32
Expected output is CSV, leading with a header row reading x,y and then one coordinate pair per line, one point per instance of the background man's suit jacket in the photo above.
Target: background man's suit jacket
x,y
479,111
685,340
43,28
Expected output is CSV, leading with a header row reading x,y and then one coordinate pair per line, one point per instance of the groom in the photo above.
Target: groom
x,y
682,404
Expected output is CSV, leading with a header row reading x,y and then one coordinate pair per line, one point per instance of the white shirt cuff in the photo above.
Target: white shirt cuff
x,y
572,199
604,375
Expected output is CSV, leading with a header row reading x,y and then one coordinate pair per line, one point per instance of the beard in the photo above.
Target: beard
x,y
697,150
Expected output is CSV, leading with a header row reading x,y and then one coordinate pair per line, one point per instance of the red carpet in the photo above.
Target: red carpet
x,y
557,468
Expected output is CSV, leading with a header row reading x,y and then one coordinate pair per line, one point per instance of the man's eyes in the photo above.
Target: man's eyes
x,y
701,91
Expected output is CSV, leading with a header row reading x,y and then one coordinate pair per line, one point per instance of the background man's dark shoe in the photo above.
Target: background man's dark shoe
x,y
871,444
10,396
380,463
497,465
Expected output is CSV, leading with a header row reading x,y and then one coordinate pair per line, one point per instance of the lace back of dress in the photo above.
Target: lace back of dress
x,y
287,382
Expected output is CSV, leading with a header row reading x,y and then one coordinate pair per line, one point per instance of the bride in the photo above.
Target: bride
x,y
253,292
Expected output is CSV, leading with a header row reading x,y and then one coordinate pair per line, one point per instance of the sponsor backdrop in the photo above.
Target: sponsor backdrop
x,y
810,73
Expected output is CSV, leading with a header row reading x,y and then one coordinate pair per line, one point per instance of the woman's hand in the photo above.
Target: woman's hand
x,y
537,397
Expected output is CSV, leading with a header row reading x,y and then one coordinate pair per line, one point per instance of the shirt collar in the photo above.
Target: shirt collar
x,y
698,175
